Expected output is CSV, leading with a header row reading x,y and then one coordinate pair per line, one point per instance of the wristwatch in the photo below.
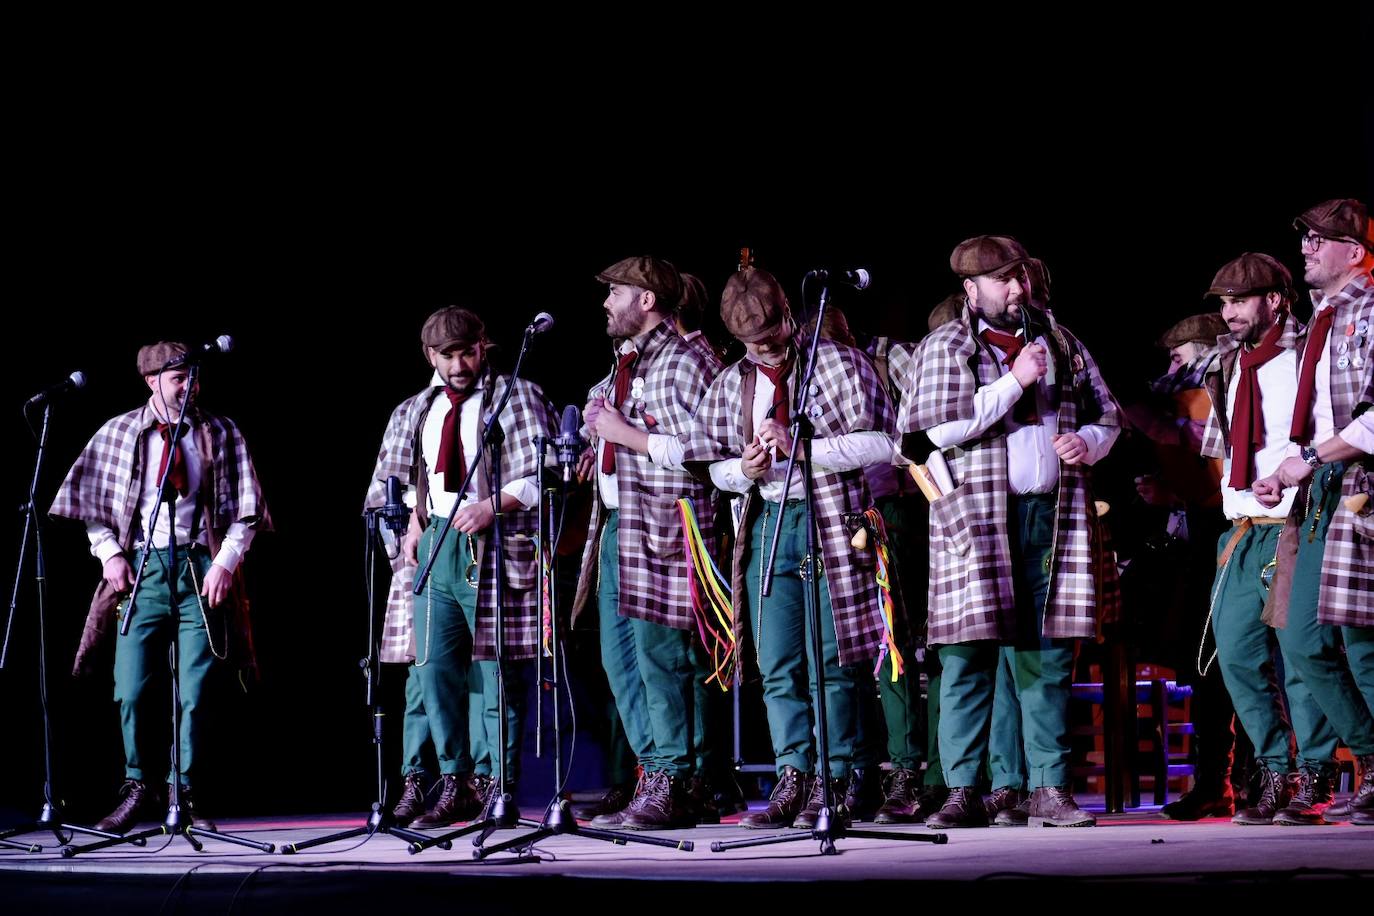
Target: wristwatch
x,y
1309,456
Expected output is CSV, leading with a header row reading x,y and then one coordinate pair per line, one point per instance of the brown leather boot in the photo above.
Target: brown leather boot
x,y
1008,807
1053,806
659,806
137,800
1273,798
963,808
786,802
411,804
485,788
839,814
456,803
1310,800
612,802
901,801
188,809
1362,800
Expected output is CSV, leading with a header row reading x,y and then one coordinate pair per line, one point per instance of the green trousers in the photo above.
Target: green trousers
x,y
1041,669
1245,653
168,607
459,695
1312,651
782,640
650,670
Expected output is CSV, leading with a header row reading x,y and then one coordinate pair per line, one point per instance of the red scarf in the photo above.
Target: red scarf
x,y
176,477
781,409
450,462
1301,432
1247,423
623,370
1024,412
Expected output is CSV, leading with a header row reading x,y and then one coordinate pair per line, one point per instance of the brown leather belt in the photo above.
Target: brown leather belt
x,y
1240,526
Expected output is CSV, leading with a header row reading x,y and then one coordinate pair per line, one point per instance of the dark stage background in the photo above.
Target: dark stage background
x,y
320,219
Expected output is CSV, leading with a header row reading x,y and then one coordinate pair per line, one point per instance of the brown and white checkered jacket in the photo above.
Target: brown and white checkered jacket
x,y
105,485
653,559
528,415
846,397
1346,597
971,595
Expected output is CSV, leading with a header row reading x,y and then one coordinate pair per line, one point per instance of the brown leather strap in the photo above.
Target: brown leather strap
x,y
1240,526
746,398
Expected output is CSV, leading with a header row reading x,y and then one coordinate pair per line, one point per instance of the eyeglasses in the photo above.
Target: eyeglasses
x,y
1313,242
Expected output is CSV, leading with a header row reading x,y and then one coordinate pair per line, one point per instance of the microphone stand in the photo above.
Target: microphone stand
x,y
829,827
380,819
50,818
494,815
558,819
173,825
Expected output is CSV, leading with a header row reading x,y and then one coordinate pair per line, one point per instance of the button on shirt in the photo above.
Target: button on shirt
x,y
1032,463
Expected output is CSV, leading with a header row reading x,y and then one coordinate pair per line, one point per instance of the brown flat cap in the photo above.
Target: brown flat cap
x,y
694,296
452,326
986,254
1204,329
154,358
753,305
1039,279
653,274
1252,273
949,309
1340,219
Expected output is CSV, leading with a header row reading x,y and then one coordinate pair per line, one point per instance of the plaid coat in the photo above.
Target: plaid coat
x,y
1216,435
697,341
850,398
1347,581
652,554
528,414
971,595
105,485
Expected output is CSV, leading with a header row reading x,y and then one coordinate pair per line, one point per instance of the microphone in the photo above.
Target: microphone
x,y
221,344
541,323
70,383
857,278
569,443
395,513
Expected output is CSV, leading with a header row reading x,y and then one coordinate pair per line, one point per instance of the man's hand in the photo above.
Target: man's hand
x,y
117,573
1070,448
586,465
410,544
216,585
474,517
592,411
756,460
1293,471
774,434
1030,365
610,424
1269,490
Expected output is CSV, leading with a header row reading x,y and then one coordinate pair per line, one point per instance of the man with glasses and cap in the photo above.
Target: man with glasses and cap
x,y
200,601
430,442
1326,561
634,569
1251,385
1012,546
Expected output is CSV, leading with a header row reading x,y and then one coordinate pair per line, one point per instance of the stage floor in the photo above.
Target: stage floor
x,y
1136,853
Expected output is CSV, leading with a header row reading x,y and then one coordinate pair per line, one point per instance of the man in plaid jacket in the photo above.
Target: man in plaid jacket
x,y
1326,551
1012,546
197,593
634,568
430,442
741,432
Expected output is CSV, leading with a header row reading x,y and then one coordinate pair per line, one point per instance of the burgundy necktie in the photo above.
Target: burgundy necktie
x,y
450,462
176,477
623,370
1301,432
781,409
1024,412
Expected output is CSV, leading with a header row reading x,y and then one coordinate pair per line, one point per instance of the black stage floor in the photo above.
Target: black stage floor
x,y
1134,857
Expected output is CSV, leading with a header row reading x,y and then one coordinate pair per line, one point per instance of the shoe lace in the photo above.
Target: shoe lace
x,y
786,789
899,783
